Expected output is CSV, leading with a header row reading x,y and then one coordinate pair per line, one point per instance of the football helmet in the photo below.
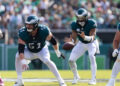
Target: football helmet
x,y
82,16
31,20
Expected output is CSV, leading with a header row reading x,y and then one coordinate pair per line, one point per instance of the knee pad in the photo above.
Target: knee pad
x,y
71,61
92,59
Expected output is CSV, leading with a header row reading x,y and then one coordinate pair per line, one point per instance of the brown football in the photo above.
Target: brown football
x,y
68,46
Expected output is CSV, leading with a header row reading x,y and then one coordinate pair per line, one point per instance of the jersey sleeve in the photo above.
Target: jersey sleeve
x,y
73,25
21,34
93,24
46,31
118,27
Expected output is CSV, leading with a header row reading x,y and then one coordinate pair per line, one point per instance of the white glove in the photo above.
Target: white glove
x,y
58,53
24,64
115,53
1,35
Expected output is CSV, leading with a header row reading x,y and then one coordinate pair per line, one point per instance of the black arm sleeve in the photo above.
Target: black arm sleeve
x,y
53,41
21,48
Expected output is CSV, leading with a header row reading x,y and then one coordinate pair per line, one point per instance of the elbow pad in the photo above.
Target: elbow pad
x,y
21,48
53,41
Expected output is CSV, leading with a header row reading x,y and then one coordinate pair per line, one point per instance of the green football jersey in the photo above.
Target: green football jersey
x,y
37,42
90,24
118,27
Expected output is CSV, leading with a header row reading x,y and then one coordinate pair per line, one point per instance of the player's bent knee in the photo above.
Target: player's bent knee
x,y
92,56
71,61
47,62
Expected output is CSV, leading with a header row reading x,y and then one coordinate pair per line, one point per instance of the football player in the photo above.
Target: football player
x,y
85,30
116,66
1,81
33,36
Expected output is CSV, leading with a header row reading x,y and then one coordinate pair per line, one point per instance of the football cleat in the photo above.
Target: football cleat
x,y
1,82
19,83
92,82
111,82
75,80
63,84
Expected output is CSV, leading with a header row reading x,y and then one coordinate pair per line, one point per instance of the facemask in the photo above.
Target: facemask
x,y
81,23
29,30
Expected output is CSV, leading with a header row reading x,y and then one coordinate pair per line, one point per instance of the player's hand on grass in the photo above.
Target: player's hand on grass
x,y
24,65
115,53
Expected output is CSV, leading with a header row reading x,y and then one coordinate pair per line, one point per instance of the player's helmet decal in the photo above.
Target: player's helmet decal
x,y
33,20
82,16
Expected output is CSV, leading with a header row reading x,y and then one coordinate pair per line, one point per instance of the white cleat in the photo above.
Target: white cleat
x,y
19,83
63,84
111,82
76,79
92,82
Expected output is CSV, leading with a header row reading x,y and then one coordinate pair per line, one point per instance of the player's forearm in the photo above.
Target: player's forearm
x,y
56,47
74,37
115,44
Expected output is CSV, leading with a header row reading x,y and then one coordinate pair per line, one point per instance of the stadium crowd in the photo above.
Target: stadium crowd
x,y
57,14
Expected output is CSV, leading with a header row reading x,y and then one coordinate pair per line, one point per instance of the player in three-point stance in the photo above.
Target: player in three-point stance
x,y
85,30
116,66
34,35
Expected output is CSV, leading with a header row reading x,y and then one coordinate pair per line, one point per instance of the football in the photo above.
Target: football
x,y
68,46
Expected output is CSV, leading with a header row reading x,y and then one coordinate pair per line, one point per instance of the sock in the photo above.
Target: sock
x,y
93,67
115,70
73,67
18,66
54,70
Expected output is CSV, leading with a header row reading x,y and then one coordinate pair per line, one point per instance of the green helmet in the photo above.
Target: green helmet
x,y
82,16
33,20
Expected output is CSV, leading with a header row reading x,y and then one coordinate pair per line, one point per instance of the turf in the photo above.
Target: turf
x,y
102,77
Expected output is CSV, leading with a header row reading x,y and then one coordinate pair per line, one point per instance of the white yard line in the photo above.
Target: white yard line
x,y
53,80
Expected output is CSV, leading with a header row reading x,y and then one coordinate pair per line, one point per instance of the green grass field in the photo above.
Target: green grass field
x,y
102,77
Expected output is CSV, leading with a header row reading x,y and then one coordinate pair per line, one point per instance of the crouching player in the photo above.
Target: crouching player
x,y
34,35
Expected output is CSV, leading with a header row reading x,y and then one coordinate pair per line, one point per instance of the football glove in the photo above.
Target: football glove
x,y
115,53
59,54
24,65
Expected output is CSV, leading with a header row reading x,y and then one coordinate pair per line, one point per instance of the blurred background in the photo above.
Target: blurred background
x,y
58,15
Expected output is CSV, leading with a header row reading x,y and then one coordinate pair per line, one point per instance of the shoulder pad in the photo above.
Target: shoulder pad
x,y
22,29
73,24
118,27
92,22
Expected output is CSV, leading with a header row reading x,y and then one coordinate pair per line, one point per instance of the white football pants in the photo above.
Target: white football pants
x,y
116,67
78,51
44,56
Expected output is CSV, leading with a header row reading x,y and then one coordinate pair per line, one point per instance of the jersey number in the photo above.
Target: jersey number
x,y
32,45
